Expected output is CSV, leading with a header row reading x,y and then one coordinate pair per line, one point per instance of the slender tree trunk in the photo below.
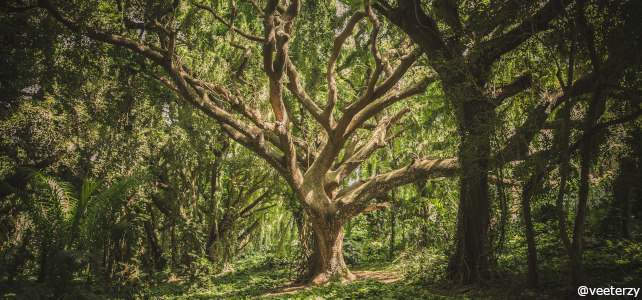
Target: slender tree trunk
x,y
627,209
157,251
423,195
393,220
174,250
596,108
110,261
527,195
424,225
44,253
622,197
105,254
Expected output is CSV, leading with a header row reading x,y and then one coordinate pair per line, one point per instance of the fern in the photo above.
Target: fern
x,y
102,203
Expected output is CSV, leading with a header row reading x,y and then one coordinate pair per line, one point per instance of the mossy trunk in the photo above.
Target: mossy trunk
x,y
472,252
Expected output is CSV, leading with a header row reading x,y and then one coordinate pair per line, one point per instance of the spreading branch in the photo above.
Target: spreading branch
x,y
230,24
334,55
539,21
363,191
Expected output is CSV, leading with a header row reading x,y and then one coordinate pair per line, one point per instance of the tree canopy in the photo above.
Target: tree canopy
x,y
198,125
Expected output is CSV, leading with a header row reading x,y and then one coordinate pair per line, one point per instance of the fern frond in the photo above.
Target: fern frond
x,y
110,198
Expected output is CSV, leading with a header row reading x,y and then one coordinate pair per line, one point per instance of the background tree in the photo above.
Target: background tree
x,y
466,44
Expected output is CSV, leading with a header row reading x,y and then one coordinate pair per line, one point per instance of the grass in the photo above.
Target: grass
x,y
617,264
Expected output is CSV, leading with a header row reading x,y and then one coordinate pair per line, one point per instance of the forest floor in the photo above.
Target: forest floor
x,y
414,275
293,287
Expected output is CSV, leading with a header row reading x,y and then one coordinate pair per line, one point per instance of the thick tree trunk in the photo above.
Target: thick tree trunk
x,y
327,257
472,255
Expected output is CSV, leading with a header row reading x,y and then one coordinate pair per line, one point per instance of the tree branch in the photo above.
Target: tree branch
x,y
113,39
517,145
520,84
420,27
334,55
361,192
254,204
229,24
379,105
540,21
295,87
448,11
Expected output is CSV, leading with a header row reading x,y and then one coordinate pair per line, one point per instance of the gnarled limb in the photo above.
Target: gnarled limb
x,y
421,28
295,87
367,189
334,55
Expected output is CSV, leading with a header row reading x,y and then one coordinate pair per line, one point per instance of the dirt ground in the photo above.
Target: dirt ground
x,y
381,276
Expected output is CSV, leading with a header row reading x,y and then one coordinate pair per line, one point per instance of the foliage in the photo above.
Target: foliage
x,y
124,176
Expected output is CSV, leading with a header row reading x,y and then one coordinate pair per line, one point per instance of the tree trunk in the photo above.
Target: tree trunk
x,y
174,250
391,252
627,208
403,237
44,249
327,257
472,255
622,191
424,223
156,249
595,110
531,258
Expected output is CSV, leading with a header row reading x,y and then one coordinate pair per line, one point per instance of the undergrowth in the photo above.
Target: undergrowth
x,y
607,263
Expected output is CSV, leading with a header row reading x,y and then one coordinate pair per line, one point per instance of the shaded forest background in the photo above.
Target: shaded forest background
x,y
212,149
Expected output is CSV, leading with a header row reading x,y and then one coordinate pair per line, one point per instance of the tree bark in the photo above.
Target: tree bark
x,y
622,197
44,253
531,257
472,252
393,221
303,229
156,249
327,257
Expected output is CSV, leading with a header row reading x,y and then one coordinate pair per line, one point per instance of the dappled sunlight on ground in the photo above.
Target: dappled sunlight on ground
x,y
383,277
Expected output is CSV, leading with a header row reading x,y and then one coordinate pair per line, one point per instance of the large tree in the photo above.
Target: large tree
x,y
466,43
316,126
348,128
